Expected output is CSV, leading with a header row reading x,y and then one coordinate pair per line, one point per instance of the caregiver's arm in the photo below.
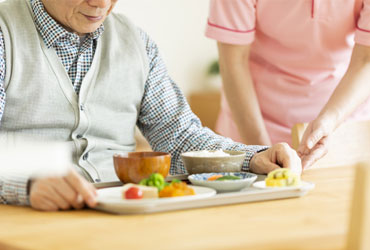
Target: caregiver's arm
x,y
351,92
240,93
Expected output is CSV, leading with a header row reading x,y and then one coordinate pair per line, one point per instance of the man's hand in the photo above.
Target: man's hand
x,y
279,155
54,193
315,141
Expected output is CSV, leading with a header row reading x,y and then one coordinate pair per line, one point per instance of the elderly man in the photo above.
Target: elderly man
x,y
70,73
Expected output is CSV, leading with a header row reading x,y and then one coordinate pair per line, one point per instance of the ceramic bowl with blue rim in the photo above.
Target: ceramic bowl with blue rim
x,y
228,185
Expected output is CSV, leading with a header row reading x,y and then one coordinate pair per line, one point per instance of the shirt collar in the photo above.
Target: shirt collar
x,y
51,31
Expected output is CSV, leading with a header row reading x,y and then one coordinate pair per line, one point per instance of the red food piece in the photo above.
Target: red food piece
x,y
134,193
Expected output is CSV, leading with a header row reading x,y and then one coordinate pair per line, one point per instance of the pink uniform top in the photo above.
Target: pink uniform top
x,y
300,50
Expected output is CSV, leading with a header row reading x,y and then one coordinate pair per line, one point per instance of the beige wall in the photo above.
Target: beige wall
x,y
177,26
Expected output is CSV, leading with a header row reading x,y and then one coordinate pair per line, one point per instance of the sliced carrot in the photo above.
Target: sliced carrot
x,y
214,177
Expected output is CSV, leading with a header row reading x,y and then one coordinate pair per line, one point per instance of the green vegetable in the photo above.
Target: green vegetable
x,y
157,180
143,182
154,180
228,177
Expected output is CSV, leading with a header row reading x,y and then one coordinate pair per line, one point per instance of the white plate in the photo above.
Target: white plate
x,y
304,185
110,199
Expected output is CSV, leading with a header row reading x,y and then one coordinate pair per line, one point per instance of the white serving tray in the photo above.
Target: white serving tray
x,y
115,204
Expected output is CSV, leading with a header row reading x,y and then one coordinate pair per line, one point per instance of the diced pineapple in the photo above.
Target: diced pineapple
x,y
282,177
275,182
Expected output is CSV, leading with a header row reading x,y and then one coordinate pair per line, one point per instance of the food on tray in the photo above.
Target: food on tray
x,y
282,177
206,153
154,180
133,191
154,187
214,177
228,178
176,189
220,177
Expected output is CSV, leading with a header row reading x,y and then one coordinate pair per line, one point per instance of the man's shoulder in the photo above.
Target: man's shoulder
x,y
124,31
120,21
6,4
119,24
14,10
123,21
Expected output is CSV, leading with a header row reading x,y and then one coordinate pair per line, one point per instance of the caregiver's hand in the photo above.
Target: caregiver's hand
x,y
279,155
315,141
64,192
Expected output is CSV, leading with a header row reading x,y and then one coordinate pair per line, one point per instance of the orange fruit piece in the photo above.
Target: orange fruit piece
x,y
176,189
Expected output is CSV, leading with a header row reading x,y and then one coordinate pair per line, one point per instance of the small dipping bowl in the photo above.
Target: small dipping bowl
x,y
246,180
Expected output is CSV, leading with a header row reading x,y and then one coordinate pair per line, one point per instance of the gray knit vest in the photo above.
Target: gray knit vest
x,y
41,101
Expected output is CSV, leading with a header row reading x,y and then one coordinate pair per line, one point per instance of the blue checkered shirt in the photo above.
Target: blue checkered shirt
x,y
165,118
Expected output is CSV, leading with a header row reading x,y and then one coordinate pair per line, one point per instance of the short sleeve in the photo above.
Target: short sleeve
x,y
232,21
362,34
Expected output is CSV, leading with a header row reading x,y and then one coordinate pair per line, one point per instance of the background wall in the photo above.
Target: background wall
x,y
177,26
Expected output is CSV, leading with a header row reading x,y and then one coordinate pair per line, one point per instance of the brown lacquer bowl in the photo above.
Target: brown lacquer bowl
x,y
134,166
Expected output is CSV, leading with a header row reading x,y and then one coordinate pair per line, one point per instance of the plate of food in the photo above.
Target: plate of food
x,y
283,178
151,195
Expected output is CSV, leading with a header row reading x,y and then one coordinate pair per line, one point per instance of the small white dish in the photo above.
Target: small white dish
x,y
304,185
226,185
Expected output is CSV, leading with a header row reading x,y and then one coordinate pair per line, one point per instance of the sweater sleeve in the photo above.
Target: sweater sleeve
x,y
168,123
13,188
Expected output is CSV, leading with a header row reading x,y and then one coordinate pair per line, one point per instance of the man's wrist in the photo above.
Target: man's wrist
x,y
252,159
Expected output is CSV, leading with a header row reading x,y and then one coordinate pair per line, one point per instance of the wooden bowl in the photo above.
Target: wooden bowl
x,y
134,166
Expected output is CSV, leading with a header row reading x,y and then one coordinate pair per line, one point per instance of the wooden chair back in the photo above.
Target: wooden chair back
x,y
359,226
349,144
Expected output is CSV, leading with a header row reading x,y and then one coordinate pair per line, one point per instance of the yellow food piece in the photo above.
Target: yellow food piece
x,y
176,189
282,177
